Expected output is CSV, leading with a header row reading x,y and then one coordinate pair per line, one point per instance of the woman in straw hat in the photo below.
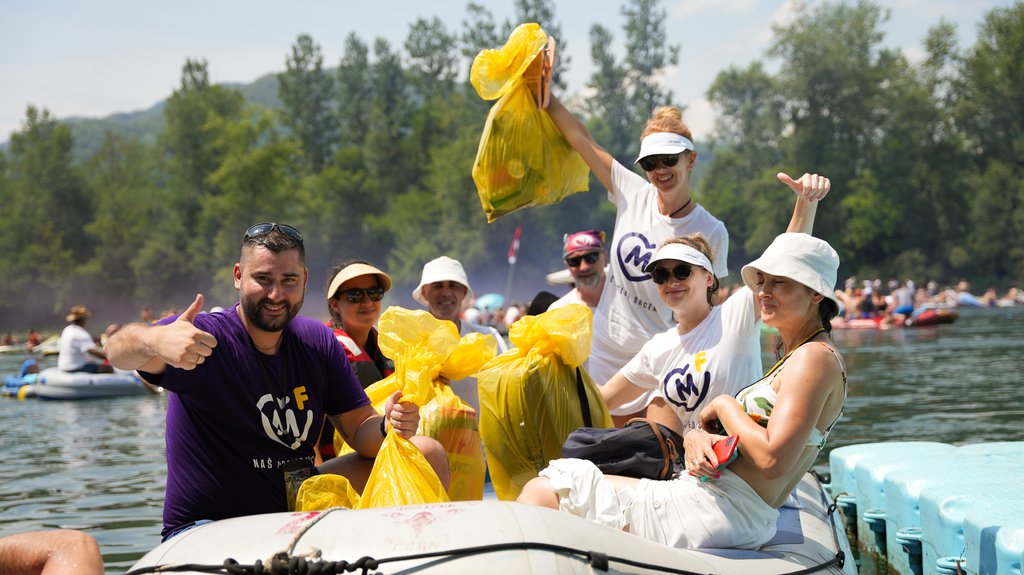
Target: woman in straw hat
x,y
355,289
782,420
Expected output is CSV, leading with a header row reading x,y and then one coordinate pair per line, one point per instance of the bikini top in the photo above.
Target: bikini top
x,y
759,399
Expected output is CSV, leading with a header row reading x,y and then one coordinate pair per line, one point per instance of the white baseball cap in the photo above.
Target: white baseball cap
x,y
682,253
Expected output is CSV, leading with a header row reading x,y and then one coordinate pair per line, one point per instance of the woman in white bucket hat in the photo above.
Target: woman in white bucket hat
x,y
782,420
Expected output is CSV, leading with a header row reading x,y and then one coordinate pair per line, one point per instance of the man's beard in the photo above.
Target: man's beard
x,y
253,311
589,282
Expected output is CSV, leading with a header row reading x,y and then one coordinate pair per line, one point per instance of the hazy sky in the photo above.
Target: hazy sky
x,y
94,58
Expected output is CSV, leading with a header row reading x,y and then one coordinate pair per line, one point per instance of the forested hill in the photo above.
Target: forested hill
x,y
145,125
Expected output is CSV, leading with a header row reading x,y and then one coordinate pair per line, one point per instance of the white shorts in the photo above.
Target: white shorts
x,y
683,512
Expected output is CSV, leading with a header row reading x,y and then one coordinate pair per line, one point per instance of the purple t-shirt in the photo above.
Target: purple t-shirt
x,y
237,418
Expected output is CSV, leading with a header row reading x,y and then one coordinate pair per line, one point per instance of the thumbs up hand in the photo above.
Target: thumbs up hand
x,y
812,187
180,343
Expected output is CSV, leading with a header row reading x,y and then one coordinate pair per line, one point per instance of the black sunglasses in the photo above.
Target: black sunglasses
x,y
681,272
651,162
591,258
265,228
356,295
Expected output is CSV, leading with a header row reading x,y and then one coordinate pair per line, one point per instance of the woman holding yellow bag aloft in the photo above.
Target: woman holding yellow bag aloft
x,y
648,212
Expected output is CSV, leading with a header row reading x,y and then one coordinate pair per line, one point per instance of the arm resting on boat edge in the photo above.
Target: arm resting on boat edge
x,y
152,348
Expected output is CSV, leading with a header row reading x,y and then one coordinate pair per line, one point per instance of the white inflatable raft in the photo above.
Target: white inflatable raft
x,y
493,537
54,383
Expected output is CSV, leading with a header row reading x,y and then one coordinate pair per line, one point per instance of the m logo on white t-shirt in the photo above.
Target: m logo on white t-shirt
x,y
686,389
633,253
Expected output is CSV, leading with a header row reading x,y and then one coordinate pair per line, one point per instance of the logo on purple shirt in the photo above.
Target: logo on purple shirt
x,y
281,423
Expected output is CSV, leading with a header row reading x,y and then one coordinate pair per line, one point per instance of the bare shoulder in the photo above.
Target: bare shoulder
x,y
814,363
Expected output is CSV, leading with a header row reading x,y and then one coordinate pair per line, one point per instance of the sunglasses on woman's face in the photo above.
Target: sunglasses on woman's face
x,y
680,272
651,162
591,258
356,295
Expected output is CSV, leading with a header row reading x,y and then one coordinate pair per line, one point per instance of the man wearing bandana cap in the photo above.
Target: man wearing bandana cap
x,y
586,259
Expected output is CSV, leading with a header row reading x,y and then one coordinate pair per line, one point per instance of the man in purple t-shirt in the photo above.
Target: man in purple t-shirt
x,y
250,387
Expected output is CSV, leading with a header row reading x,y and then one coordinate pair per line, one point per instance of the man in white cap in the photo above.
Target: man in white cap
x,y
443,289
586,260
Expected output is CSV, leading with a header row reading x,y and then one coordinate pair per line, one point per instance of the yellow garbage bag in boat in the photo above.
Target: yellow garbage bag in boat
x,y
401,476
425,349
325,491
532,397
523,159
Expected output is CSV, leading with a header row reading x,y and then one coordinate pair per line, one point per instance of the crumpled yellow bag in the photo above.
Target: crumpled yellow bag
x,y
401,476
325,491
528,397
425,348
523,159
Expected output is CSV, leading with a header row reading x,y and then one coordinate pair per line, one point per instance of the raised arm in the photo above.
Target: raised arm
x,y
809,190
578,136
152,348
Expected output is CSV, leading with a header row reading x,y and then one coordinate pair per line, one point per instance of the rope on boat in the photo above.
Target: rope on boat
x,y
283,564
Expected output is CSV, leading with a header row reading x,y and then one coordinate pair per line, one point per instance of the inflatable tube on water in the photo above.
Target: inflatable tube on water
x,y
57,384
500,537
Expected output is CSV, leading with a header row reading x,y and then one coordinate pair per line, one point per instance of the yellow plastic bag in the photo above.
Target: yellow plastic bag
x,y
528,397
425,348
453,424
324,491
401,476
523,159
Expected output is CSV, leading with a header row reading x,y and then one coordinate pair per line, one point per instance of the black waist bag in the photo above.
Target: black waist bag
x,y
640,449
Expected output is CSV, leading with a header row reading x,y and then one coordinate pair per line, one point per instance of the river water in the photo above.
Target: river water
x,y
98,465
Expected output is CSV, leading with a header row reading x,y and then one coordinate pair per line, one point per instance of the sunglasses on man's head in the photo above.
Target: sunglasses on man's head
x,y
265,228
680,272
356,295
591,258
651,162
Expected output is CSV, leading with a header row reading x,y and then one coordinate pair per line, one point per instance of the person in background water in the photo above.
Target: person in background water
x,y
648,212
586,260
77,346
354,292
443,289
249,389
58,552
33,340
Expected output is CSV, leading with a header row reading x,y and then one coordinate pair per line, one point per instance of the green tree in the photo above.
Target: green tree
x,y
46,205
647,57
128,200
307,92
355,93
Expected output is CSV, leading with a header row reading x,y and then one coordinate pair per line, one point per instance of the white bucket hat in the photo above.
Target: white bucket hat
x,y
441,269
799,257
682,253
664,143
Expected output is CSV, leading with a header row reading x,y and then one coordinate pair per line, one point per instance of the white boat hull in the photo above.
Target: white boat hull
x,y
57,384
532,540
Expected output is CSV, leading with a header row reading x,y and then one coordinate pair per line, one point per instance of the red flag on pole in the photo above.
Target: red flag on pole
x,y
514,248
